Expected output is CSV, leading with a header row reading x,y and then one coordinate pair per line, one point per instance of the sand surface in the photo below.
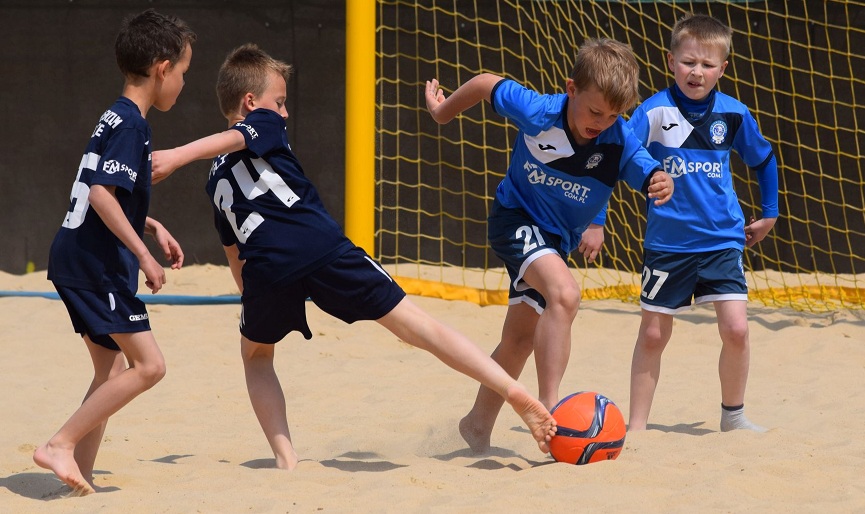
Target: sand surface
x,y
375,420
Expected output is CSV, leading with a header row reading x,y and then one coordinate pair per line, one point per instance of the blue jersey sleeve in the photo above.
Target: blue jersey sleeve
x,y
757,153
121,159
637,163
767,177
264,132
529,110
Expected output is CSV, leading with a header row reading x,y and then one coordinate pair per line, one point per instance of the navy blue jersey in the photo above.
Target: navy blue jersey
x,y
265,205
85,253
704,212
562,185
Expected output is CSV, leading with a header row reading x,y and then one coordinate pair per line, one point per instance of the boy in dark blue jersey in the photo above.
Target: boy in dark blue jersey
x,y
96,254
283,247
693,245
571,150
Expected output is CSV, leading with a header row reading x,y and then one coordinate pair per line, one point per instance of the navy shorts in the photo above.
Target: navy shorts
x,y
518,242
99,314
352,287
671,280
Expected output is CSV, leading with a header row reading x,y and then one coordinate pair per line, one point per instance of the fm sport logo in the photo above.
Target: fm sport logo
x,y
111,167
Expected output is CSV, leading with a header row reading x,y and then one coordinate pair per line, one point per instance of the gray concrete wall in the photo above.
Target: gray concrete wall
x,y
60,75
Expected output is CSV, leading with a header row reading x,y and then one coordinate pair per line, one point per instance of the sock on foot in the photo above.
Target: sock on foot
x,y
733,418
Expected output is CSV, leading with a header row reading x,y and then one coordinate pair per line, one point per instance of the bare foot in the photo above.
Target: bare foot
x,y
287,462
62,463
477,438
539,420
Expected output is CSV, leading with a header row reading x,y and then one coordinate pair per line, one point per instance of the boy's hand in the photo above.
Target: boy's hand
x,y
661,187
170,247
153,273
591,242
757,230
434,97
164,163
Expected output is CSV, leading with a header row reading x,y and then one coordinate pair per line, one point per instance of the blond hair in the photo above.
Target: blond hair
x,y
610,66
705,30
245,71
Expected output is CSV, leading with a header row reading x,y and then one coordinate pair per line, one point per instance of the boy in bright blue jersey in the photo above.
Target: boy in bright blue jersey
x,y
694,243
283,247
571,150
96,254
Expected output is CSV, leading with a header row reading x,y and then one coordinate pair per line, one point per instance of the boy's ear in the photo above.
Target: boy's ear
x,y
162,69
248,102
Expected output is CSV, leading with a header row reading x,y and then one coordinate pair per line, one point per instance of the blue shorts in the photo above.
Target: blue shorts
x,y
518,242
671,280
98,314
352,287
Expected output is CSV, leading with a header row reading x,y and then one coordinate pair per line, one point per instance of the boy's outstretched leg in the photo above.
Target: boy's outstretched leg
x,y
414,326
511,354
268,400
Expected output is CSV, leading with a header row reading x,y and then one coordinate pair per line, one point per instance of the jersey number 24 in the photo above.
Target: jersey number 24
x,y
268,180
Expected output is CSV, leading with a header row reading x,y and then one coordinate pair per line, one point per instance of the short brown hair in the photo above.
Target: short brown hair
x,y
703,29
150,37
612,67
245,71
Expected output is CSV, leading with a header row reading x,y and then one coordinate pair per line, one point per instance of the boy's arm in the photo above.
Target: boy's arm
x,y
164,162
767,176
443,109
170,247
105,204
232,253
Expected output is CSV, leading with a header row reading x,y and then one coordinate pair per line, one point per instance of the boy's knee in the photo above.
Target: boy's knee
x,y
152,373
735,335
567,297
653,339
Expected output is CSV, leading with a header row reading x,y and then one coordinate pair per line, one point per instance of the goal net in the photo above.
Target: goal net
x,y
797,65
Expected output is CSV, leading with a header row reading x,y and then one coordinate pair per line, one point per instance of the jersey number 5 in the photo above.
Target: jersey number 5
x,y
268,180
79,198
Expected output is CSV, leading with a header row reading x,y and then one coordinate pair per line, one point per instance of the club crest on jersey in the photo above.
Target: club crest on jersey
x,y
594,160
718,131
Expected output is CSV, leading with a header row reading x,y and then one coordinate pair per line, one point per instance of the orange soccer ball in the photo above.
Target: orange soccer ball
x,y
590,429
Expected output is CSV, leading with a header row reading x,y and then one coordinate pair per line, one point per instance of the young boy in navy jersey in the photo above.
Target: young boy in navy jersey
x,y
283,247
570,151
693,245
96,254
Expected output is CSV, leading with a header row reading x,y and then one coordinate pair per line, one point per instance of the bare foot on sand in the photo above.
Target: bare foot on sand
x,y
539,420
477,437
62,463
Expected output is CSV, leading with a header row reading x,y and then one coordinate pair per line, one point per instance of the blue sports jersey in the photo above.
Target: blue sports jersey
x,y
85,253
562,185
704,212
264,203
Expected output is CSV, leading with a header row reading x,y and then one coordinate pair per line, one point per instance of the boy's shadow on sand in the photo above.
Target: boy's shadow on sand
x,y
354,462
42,486
682,428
